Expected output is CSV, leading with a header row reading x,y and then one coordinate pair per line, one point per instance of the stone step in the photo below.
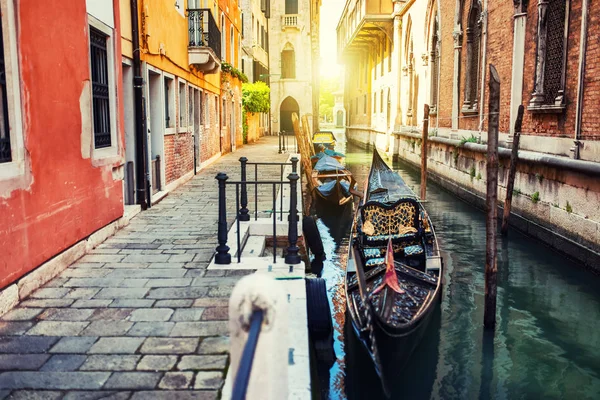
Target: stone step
x,y
255,246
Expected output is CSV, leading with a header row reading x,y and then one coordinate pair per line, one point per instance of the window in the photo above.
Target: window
x,y
288,63
169,103
291,6
470,102
224,113
383,49
435,66
182,103
191,107
100,89
5,149
550,67
231,47
223,39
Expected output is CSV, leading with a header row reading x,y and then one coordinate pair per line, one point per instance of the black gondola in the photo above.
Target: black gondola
x,y
394,271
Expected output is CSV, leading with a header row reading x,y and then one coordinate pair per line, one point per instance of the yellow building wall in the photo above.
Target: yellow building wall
x,y
164,42
126,37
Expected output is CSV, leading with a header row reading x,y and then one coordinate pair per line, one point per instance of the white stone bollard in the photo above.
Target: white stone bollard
x,y
269,374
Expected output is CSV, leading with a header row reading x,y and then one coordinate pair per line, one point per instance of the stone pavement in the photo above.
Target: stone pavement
x,y
139,317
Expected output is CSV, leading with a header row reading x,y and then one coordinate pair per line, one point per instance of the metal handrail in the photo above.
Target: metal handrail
x,y
242,377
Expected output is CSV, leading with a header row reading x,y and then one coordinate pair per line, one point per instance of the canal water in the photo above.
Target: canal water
x,y
547,338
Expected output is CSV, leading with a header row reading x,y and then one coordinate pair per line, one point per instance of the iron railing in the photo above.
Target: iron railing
x,y
241,202
203,30
287,142
242,377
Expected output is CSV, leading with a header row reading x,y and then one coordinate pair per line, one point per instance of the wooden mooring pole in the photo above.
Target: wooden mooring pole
x,y
491,267
514,156
424,153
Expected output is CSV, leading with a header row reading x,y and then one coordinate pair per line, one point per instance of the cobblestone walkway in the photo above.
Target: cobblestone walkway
x,y
140,317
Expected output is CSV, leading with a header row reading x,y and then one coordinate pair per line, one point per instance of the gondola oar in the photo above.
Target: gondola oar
x,y
364,296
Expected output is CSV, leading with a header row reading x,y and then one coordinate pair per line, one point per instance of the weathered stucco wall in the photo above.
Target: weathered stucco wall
x,y
69,192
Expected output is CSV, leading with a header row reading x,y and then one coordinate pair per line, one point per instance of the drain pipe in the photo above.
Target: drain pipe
x,y
141,140
581,76
484,17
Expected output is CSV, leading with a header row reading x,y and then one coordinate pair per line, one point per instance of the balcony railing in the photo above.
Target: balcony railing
x,y
289,21
203,33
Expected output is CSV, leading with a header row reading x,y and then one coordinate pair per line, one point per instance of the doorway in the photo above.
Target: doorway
x,y
288,106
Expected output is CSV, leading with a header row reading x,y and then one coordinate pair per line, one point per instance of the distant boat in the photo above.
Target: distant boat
x,y
393,282
332,182
323,140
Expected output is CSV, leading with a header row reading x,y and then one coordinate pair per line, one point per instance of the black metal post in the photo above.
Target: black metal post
x,y
141,140
283,134
222,256
292,256
294,161
279,135
243,212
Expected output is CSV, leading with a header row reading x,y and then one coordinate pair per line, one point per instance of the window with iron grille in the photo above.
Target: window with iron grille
x,y
470,102
552,34
100,88
5,150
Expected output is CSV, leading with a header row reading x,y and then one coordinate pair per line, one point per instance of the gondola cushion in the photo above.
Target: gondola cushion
x,y
398,221
372,253
415,250
376,238
374,261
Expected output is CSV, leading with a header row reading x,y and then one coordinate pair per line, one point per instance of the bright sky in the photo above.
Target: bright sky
x,y
330,16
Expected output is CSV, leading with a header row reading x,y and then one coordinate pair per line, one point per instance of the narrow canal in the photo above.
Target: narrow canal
x,y
547,339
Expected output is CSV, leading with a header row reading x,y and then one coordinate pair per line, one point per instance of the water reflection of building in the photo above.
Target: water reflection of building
x,y
402,55
339,111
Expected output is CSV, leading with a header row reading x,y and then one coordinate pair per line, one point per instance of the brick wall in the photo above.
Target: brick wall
x,y
446,64
590,128
210,142
179,155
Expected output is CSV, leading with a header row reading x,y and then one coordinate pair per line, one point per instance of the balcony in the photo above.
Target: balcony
x,y
289,21
204,48
364,24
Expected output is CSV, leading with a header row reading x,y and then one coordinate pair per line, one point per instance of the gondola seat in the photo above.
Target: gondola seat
x,y
398,221
374,252
374,261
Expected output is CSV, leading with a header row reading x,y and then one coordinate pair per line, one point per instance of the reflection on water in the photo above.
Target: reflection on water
x,y
547,338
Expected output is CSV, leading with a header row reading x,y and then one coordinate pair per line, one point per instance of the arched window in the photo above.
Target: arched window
x,y
288,62
291,6
223,39
470,102
550,66
434,55
231,47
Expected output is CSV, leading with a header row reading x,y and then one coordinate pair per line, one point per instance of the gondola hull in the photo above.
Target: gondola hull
x,y
396,348
338,196
391,291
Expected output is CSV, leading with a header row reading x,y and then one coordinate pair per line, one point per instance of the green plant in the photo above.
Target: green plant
x,y
516,192
245,128
233,71
472,172
568,207
535,197
433,132
256,97
471,139
479,176
455,156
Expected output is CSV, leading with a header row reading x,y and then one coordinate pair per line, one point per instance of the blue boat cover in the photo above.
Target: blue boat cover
x,y
327,188
327,163
327,152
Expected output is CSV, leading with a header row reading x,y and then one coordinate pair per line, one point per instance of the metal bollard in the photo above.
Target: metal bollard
x,y
222,256
243,212
292,256
294,161
268,367
279,136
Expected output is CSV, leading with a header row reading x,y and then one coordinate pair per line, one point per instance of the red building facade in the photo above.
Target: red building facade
x,y
62,144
